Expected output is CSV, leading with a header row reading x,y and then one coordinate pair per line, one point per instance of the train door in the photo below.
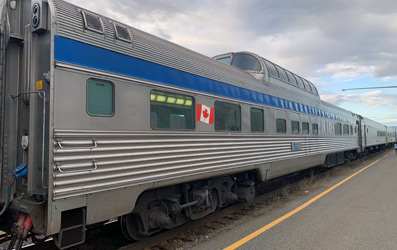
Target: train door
x,y
24,63
2,63
359,136
10,84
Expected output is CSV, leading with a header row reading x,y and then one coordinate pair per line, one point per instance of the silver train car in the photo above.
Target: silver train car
x,y
100,120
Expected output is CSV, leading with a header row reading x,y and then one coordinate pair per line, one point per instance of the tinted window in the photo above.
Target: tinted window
x,y
315,128
171,111
338,128
271,69
257,120
282,73
295,127
345,129
225,60
299,80
92,22
100,96
122,32
291,78
281,126
227,117
330,128
307,85
313,88
246,62
305,127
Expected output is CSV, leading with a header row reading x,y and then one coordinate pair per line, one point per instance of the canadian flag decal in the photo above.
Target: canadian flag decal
x,y
204,114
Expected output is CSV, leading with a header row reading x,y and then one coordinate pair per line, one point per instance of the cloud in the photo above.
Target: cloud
x,y
372,100
311,38
346,70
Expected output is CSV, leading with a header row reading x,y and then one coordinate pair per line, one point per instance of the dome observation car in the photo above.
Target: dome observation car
x,y
260,67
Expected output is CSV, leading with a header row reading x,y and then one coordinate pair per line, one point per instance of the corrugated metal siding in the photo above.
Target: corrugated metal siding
x,y
128,159
147,47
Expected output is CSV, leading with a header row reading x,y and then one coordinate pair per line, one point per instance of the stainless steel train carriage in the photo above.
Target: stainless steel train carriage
x,y
100,120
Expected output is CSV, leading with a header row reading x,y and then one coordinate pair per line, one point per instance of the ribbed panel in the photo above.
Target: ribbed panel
x,y
127,159
146,47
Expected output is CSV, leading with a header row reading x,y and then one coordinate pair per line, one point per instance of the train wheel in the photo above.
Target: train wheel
x,y
132,227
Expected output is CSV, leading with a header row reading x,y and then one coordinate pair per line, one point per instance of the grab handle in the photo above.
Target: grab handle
x,y
94,141
80,170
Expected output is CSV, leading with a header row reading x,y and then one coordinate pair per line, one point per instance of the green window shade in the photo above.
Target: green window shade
x,y
100,98
171,111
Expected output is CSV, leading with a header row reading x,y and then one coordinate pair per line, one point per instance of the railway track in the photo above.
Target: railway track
x,y
278,190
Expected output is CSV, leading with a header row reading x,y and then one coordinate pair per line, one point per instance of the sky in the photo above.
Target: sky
x,y
336,44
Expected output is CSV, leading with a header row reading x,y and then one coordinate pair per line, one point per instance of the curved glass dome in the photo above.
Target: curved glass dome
x,y
246,62
250,62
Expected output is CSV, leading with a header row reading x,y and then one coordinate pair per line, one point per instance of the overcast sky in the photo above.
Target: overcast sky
x,y
336,44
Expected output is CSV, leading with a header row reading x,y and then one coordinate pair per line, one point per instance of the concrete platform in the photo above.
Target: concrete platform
x,y
360,213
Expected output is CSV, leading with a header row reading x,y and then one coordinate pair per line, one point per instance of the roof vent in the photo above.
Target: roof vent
x,y
122,32
92,22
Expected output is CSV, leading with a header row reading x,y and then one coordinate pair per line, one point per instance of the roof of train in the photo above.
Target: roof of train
x,y
70,23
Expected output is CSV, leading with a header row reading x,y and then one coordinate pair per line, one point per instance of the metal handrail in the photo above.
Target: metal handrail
x,y
41,94
75,171
94,141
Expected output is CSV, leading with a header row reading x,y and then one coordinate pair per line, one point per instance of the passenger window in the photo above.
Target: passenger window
x,y
345,129
246,62
271,69
338,128
257,120
171,111
330,128
351,130
227,116
282,73
299,80
295,127
314,90
225,60
291,78
305,128
281,126
307,85
315,128
100,95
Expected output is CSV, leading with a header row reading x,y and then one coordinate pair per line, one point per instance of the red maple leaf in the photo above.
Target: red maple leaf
x,y
205,114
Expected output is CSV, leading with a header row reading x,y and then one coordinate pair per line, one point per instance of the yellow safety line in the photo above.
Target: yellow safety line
x,y
296,210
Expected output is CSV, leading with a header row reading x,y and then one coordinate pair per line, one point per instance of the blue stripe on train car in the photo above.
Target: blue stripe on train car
x,y
78,53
